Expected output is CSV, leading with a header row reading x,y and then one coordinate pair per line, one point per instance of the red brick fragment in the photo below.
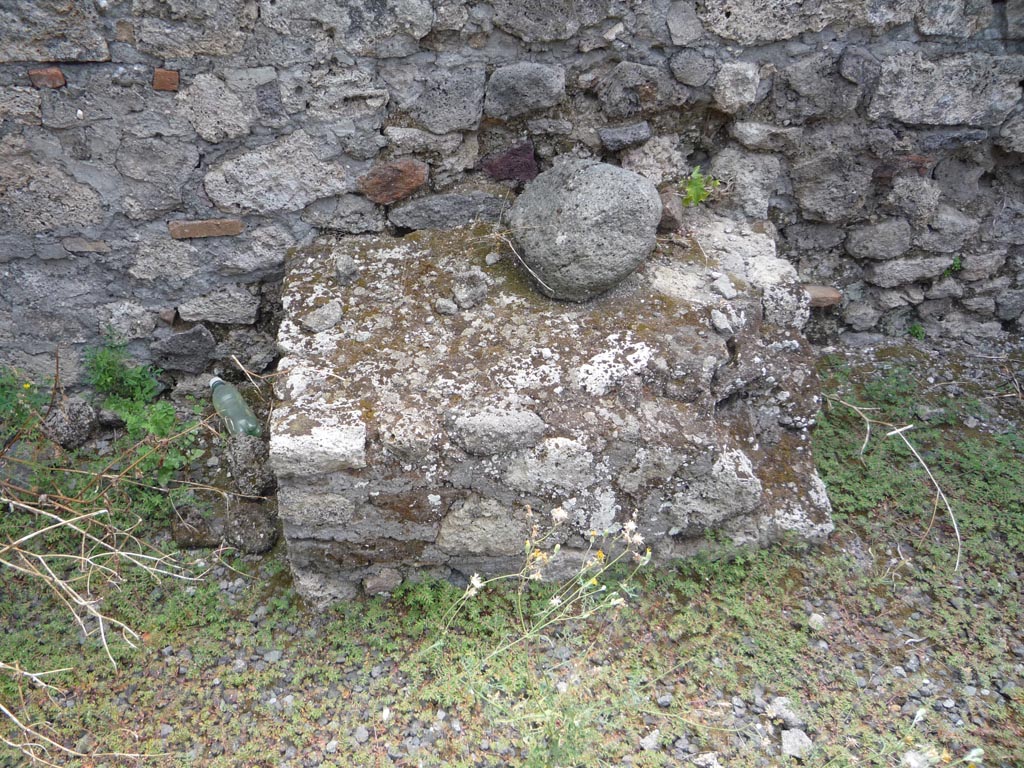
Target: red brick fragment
x,y
823,295
47,77
183,230
389,182
165,79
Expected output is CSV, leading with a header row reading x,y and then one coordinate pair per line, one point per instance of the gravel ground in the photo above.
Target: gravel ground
x,y
881,666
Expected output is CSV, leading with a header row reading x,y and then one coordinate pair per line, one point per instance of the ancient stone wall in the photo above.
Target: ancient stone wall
x,y
158,158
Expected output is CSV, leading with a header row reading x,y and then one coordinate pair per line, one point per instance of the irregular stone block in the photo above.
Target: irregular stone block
x,y
38,197
284,176
201,28
127,319
22,105
736,86
691,67
762,21
493,430
753,179
624,136
70,422
823,295
831,178
955,18
517,163
216,112
446,426
156,170
979,265
166,79
538,20
447,211
51,30
765,137
632,89
346,213
47,77
452,100
889,274
518,89
887,239
948,230
260,255
684,25
233,304
189,351
583,226
966,89
390,182
183,230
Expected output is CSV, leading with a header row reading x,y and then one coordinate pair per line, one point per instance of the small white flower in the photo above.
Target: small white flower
x,y
475,581
629,526
555,601
559,515
636,539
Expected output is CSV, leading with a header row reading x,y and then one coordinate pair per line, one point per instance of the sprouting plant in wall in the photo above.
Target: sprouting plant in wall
x,y
956,266
916,331
698,187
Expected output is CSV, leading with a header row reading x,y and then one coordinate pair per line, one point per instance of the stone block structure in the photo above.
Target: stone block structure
x,y
416,426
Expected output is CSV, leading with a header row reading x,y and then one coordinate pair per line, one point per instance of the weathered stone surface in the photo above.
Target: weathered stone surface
x,y
915,196
518,89
260,255
157,169
752,177
248,457
39,197
955,18
888,239
671,210
831,179
761,21
661,159
360,28
347,213
70,422
200,27
632,89
978,265
189,351
452,99
583,226
21,105
186,230
284,176
462,420
684,25
736,86
216,112
233,304
538,20
51,30
446,211
691,67
965,89
493,430
796,743
889,274
250,526
517,163
948,230
1011,135
819,89
390,182
127,319
620,137
765,137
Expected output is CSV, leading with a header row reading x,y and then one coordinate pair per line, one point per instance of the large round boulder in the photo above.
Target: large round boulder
x,y
583,226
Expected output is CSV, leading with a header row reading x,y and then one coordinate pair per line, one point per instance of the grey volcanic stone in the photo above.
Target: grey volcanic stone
x,y
624,136
736,86
216,112
885,240
889,274
494,430
521,88
538,20
345,213
966,89
188,351
633,89
753,178
51,30
284,176
70,422
683,23
691,67
251,526
233,304
248,459
446,211
584,226
452,100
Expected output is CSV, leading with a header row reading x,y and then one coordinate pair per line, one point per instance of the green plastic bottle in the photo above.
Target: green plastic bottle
x,y
231,406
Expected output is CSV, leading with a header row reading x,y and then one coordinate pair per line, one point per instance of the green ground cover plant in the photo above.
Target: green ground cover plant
x,y
889,652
